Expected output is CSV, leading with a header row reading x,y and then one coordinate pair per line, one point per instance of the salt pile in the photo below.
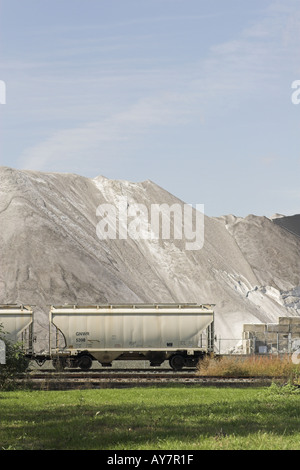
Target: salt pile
x,y
50,254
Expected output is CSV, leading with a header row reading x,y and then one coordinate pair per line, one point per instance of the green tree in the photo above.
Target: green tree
x,y
16,362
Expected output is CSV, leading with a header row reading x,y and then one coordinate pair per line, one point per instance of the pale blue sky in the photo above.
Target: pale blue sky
x,y
192,94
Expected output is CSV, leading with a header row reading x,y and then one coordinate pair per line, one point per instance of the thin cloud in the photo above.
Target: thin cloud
x,y
234,72
95,138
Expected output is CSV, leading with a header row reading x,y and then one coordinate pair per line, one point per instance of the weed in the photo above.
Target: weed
x,y
254,366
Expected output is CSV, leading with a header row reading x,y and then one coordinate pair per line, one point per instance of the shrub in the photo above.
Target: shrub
x,y
286,389
16,362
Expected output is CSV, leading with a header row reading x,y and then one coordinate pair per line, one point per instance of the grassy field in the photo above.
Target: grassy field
x,y
178,418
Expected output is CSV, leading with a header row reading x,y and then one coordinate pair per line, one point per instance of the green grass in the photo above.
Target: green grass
x,y
171,418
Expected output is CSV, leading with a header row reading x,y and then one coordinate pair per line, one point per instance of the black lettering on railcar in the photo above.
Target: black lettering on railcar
x,y
81,336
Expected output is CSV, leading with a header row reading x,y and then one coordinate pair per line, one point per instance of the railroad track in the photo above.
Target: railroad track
x,y
76,379
110,371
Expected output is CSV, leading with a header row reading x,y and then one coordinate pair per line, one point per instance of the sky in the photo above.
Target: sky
x,y
194,95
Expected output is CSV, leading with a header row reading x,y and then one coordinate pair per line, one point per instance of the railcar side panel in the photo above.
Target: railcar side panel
x,y
17,323
119,329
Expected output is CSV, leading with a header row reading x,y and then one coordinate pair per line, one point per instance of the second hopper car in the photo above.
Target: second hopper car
x,y
17,325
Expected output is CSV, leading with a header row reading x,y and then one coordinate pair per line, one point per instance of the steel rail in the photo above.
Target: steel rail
x,y
117,379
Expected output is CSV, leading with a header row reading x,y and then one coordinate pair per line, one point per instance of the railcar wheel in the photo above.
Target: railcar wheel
x,y
59,363
85,362
176,362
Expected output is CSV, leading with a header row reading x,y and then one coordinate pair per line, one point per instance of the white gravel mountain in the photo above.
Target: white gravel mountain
x,y
50,253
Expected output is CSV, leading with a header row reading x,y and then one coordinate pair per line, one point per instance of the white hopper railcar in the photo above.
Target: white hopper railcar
x,y
180,333
17,325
